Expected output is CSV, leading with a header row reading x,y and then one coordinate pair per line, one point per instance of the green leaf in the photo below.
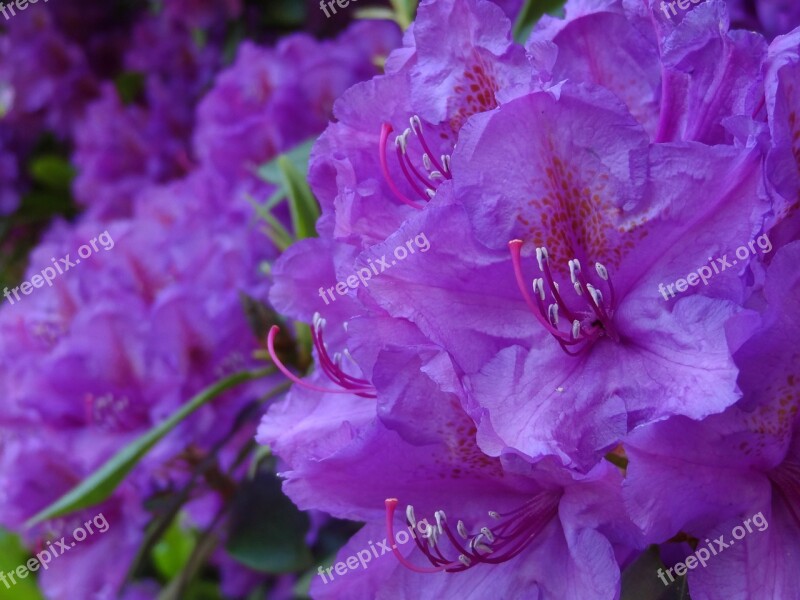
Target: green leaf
x,y
53,172
102,483
267,531
640,580
298,156
13,555
287,172
302,204
531,12
404,11
130,86
376,13
173,550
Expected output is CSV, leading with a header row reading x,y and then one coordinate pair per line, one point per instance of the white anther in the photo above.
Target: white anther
x,y
488,533
602,272
477,544
560,389
415,123
426,160
578,288
410,515
401,141
552,313
483,547
597,296
541,257
337,359
446,162
574,269
440,518
349,356
344,326
316,318
494,514
462,531
464,560
430,193
576,329
432,535
436,175
538,287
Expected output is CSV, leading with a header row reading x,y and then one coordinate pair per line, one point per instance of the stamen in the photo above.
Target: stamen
x,y
487,532
436,172
410,515
416,126
391,505
586,324
516,530
538,287
351,385
386,129
576,329
440,517
602,272
462,531
552,312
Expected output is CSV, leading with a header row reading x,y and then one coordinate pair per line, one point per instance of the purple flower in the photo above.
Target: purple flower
x,y
682,76
272,99
783,161
705,478
45,75
122,340
597,194
544,526
772,17
122,149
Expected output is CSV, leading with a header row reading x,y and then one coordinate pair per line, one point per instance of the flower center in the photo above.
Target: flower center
x,y
332,367
512,533
588,319
436,171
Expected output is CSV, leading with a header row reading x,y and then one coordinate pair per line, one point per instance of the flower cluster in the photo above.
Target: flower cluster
x,y
523,386
118,345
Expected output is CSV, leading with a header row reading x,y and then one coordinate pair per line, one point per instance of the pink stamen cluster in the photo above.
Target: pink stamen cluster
x,y
436,171
513,533
332,367
586,323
